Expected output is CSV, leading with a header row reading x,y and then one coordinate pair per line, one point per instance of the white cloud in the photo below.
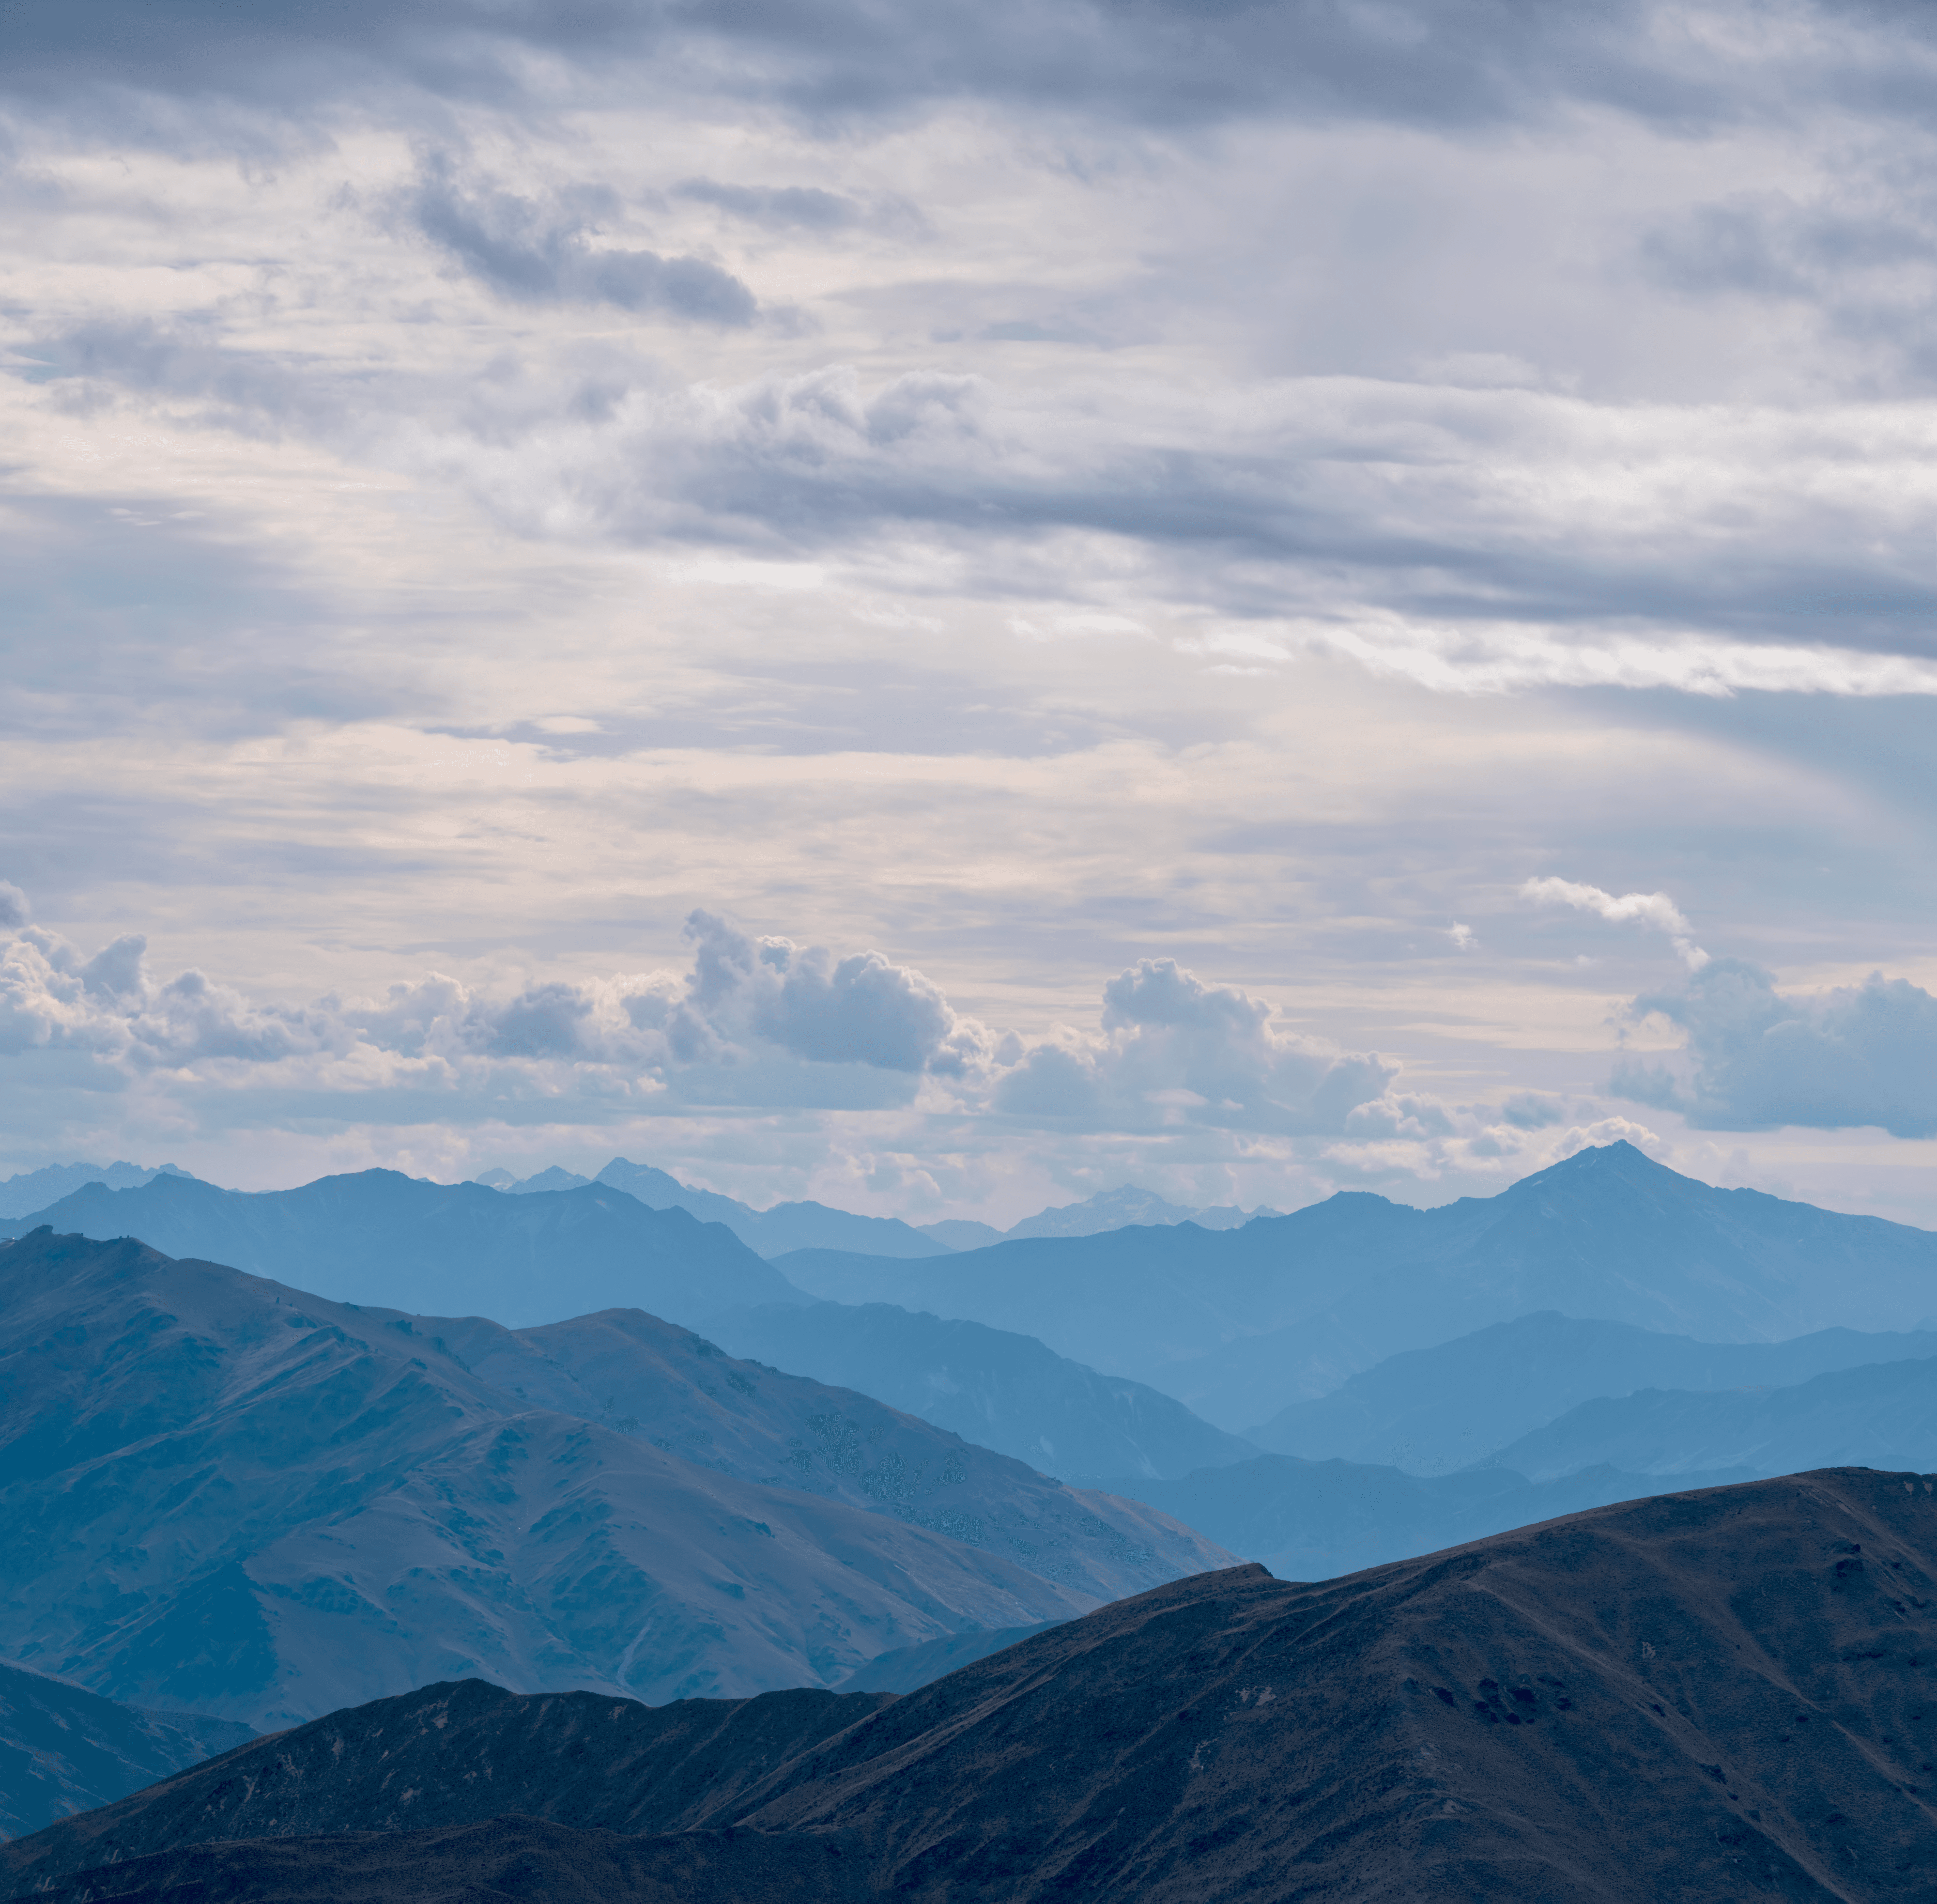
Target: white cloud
x,y
754,1022
1175,1051
1655,909
1758,1058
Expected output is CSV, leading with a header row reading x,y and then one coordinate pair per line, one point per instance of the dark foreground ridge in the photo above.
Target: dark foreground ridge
x,y
1726,1694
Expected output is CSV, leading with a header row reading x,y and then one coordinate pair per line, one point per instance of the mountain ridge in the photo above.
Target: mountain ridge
x,y
1237,1324
1435,1410
223,1494
379,1237
1715,1694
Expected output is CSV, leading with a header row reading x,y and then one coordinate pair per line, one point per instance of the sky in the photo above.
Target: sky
x,y
946,609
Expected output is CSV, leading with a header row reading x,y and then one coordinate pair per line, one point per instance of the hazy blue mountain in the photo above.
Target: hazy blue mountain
x,y
34,1190
448,1249
64,1750
1873,1417
1108,1210
1342,1285
962,1233
773,1233
789,1226
552,1179
908,1669
1431,1411
1117,1209
218,1493
1314,1520
990,1386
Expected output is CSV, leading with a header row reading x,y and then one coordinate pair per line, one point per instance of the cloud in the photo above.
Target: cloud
x,y
751,1007
107,1008
1455,63
1860,256
861,1009
14,909
1384,522
782,207
1757,1059
540,251
1529,1110
754,1021
1176,1052
1655,909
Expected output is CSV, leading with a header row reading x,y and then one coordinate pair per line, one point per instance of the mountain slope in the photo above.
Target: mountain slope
x,y
442,1249
1869,1415
1319,1520
773,1233
218,1493
1239,1323
30,1190
63,1750
1432,1411
990,1386
909,1668
663,1384
411,1763
1718,1695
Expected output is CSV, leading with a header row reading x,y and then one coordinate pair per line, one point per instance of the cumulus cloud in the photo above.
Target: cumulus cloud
x,y
1757,1059
1176,1051
1655,909
861,1009
540,251
747,1006
108,1008
754,1020
14,909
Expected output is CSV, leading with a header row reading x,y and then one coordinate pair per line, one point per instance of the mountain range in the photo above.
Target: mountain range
x,y
64,1750
33,1190
1239,1324
1431,1410
222,1494
991,1386
801,1226
1863,1416
1317,1520
1720,1694
377,1236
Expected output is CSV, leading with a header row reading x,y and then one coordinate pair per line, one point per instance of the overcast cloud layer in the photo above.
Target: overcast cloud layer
x,y
946,609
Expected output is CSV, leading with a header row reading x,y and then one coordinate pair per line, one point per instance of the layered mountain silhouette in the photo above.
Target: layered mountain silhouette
x,y
991,1386
219,1493
32,1189
774,1232
908,1669
446,1249
808,1226
1431,1411
63,1750
1238,1324
1314,1520
1854,1416
1723,1694
1115,1209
